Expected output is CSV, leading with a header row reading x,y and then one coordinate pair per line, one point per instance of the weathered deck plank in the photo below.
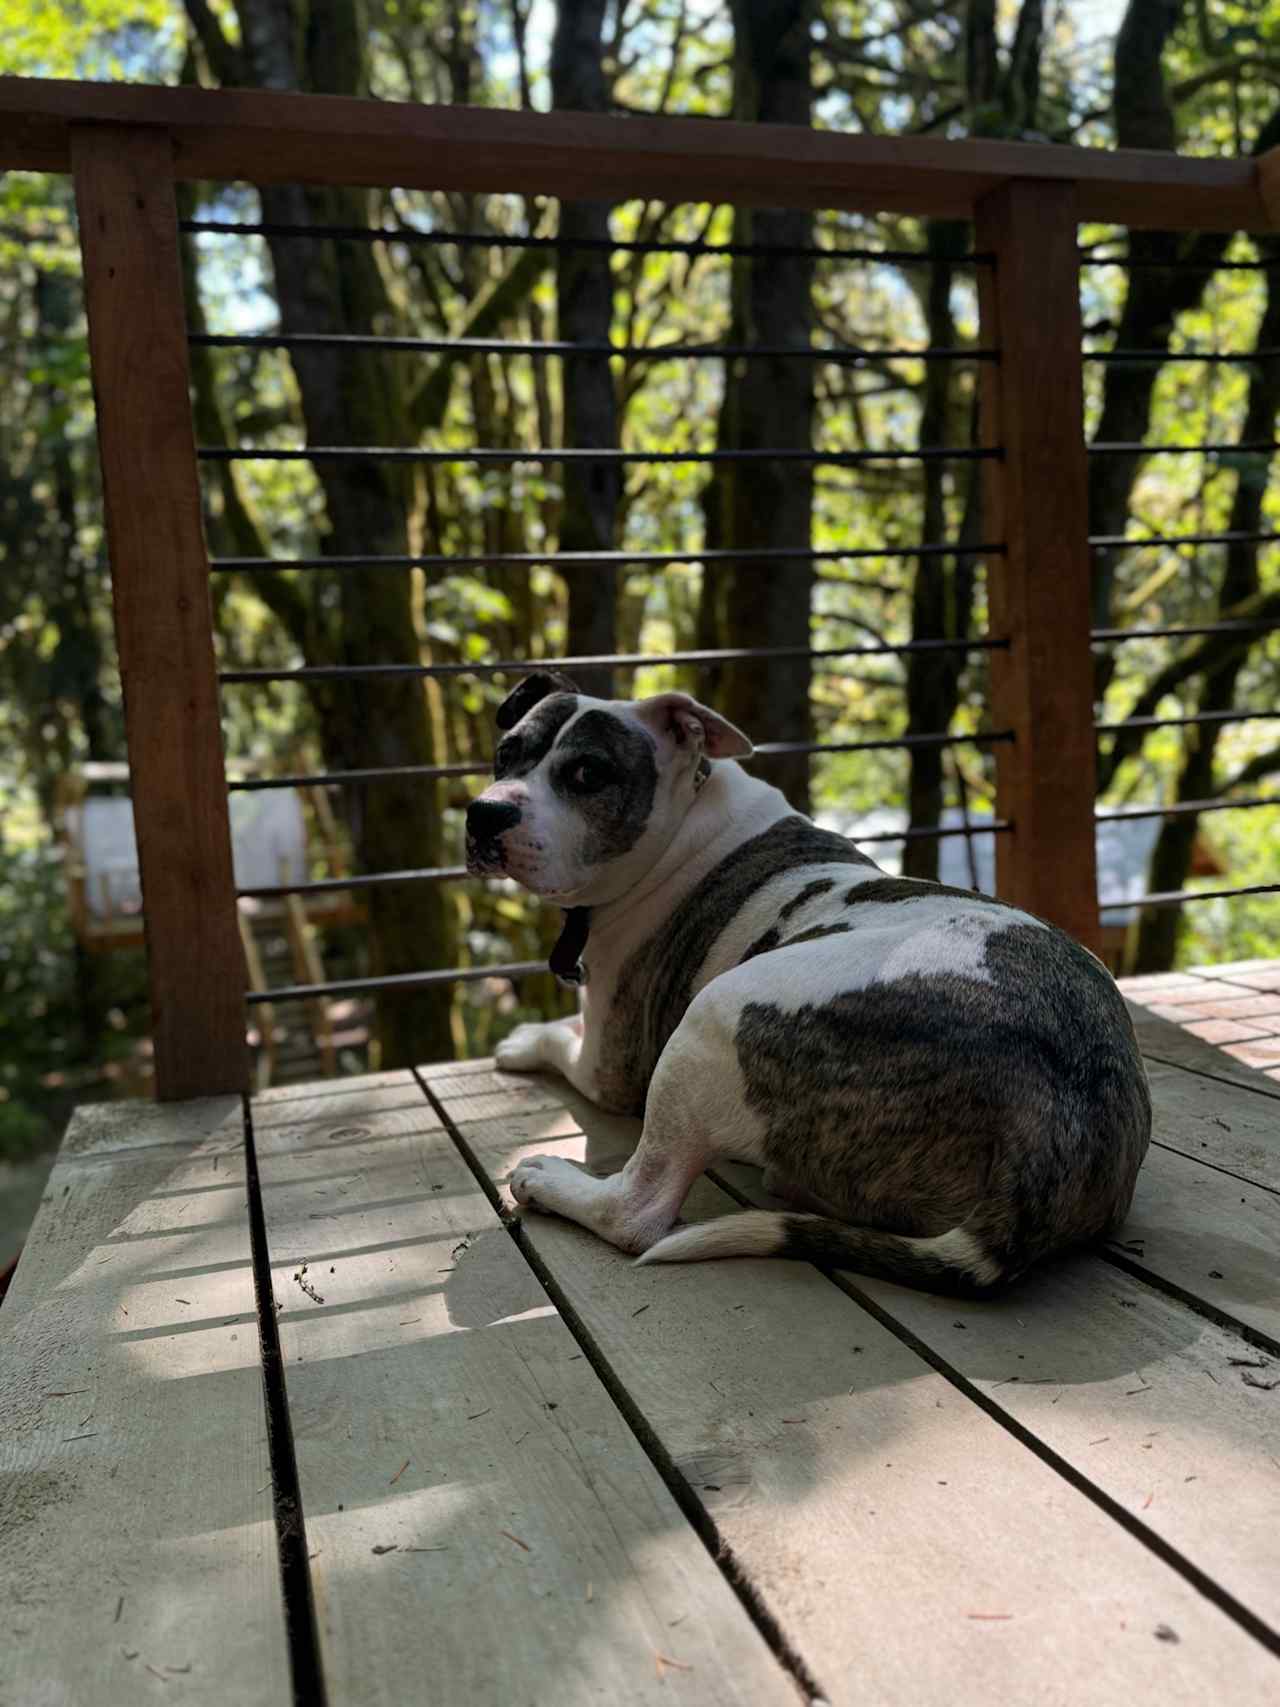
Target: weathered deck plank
x,y
137,1543
1211,1234
910,1548
482,1523
1155,1406
1218,1123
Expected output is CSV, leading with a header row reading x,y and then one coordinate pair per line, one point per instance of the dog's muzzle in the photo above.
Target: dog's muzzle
x,y
486,822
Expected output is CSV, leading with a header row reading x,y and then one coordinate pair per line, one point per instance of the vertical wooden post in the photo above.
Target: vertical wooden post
x,y
1036,501
163,618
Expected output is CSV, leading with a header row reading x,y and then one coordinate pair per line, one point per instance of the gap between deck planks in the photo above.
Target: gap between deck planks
x,y
482,1524
911,1548
137,1541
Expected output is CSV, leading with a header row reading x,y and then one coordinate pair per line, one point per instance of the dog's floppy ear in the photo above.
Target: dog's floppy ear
x,y
526,695
681,720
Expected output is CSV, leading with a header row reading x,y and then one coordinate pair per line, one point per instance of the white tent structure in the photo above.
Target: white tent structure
x,y
268,846
272,844
1124,847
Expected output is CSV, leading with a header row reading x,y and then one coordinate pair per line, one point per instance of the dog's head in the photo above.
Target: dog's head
x,y
588,793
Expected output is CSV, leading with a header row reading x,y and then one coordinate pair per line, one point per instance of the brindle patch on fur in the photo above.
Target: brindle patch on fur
x,y
815,933
810,892
655,986
524,749
617,815
772,938
1016,1105
891,889
830,1244
762,945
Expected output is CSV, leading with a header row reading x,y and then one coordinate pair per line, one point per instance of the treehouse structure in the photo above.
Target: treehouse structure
x,y
281,838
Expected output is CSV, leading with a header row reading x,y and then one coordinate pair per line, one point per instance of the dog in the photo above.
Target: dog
x,y
945,1088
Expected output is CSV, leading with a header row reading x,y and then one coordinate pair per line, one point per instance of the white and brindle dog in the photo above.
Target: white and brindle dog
x,y
950,1088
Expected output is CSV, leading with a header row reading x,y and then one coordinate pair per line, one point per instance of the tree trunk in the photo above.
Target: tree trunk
x,y
770,504
942,588
1160,927
1155,296
336,287
584,301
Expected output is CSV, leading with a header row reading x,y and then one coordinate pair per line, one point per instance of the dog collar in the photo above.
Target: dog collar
x,y
566,956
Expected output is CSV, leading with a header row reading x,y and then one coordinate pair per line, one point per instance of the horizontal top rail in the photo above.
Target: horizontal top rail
x,y
271,136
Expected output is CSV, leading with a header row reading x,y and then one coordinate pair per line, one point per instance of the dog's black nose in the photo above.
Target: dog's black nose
x,y
487,819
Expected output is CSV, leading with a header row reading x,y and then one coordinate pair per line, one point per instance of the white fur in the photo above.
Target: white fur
x,y
762,1233
961,1250
754,1233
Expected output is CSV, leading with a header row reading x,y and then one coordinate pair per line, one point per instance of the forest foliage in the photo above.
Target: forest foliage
x,y
1199,75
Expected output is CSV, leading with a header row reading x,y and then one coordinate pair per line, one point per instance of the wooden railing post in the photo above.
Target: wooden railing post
x,y
1036,501
163,620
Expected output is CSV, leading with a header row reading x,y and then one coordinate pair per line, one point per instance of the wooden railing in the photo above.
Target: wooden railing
x,y
126,146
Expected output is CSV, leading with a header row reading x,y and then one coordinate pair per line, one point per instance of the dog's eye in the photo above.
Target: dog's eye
x,y
505,757
588,776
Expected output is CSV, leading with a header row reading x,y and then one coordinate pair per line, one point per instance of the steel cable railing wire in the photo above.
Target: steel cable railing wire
x,y
1180,897
764,750
608,559
548,455
544,349
1184,808
1250,450
1205,268
711,657
460,874
692,247
845,355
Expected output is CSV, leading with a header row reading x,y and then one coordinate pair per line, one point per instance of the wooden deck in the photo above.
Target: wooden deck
x,y
502,1465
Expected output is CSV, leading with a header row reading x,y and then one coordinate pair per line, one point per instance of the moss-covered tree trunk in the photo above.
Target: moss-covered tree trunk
x,y
584,303
942,587
1154,297
326,286
1160,927
771,406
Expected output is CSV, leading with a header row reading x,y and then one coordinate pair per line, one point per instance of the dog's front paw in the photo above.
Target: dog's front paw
x,y
524,1181
520,1052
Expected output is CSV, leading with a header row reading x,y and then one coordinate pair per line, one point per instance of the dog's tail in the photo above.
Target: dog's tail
x,y
955,1261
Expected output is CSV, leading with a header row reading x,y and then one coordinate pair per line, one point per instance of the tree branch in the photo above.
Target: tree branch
x,y
224,60
1229,69
429,406
1212,653
1262,764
